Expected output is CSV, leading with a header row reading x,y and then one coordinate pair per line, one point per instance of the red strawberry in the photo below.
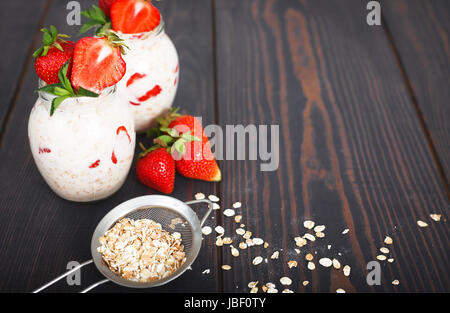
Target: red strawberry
x,y
97,64
198,161
105,6
134,16
52,55
156,170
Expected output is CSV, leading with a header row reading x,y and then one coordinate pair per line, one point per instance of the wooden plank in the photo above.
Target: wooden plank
x,y
39,232
352,152
18,26
420,31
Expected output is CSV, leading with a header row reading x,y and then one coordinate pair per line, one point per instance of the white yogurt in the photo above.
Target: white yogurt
x,y
151,81
85,150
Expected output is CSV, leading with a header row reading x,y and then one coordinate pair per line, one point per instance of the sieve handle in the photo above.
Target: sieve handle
x,y
94,285
62,276
210,208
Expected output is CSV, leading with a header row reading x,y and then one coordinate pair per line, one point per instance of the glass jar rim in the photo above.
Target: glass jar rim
x,y
45,96
136,36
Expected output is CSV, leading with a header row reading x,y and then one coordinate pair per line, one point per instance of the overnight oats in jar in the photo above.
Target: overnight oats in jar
x,y
85,149
151,80
81,134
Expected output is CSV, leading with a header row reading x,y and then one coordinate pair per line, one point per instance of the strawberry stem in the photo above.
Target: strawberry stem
x,y
50,38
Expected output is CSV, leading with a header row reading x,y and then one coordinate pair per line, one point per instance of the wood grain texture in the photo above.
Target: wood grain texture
x,y
16,21
352,152
420,31
39,232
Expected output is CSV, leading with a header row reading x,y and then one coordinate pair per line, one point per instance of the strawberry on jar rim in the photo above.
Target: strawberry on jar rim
x,y
97,62
105,6
134,16
54,53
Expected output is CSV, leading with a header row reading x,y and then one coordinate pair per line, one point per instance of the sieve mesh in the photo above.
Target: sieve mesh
x,y
170,221
172,214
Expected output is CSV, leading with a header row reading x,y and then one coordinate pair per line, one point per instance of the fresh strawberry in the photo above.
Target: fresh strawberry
x,y
97,63
134,16
105,5
156,169
197,161
52,55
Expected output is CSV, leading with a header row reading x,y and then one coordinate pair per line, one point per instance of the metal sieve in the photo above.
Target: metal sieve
x,y
161,209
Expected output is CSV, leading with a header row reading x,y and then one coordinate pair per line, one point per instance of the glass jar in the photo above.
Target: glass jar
x,y
151,81
85,149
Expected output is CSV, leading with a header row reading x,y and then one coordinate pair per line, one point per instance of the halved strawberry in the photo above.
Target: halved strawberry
x,y
52,55
97,64
134,16
105,5
197,161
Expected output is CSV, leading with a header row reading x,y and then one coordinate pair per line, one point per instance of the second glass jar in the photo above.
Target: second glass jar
x,y
151,81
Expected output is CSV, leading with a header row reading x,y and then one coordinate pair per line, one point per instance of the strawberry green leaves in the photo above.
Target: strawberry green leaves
x,y
64,90
97,18
50,38
170,139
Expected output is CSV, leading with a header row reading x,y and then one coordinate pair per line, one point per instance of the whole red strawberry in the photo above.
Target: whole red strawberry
x,y
197,161
105,5
134,16
156,169
52,55
97,63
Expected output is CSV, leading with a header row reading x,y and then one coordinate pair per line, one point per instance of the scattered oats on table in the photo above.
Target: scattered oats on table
x,y
215,206
340,290
275,255
436,217
206,230
395,282
257,260
384,250
226,267
286,281
347,270
422,224
237,205
388,240
309,257
309,237
292,264
326,262
319,228
300,242
345,231
336,264
220,230
252,284
213,198
311,266
238,218
227,240
308,224
242,245
229,212
199,196
381,257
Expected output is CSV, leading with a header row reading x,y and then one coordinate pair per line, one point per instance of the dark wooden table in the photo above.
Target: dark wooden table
x,y
364,143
